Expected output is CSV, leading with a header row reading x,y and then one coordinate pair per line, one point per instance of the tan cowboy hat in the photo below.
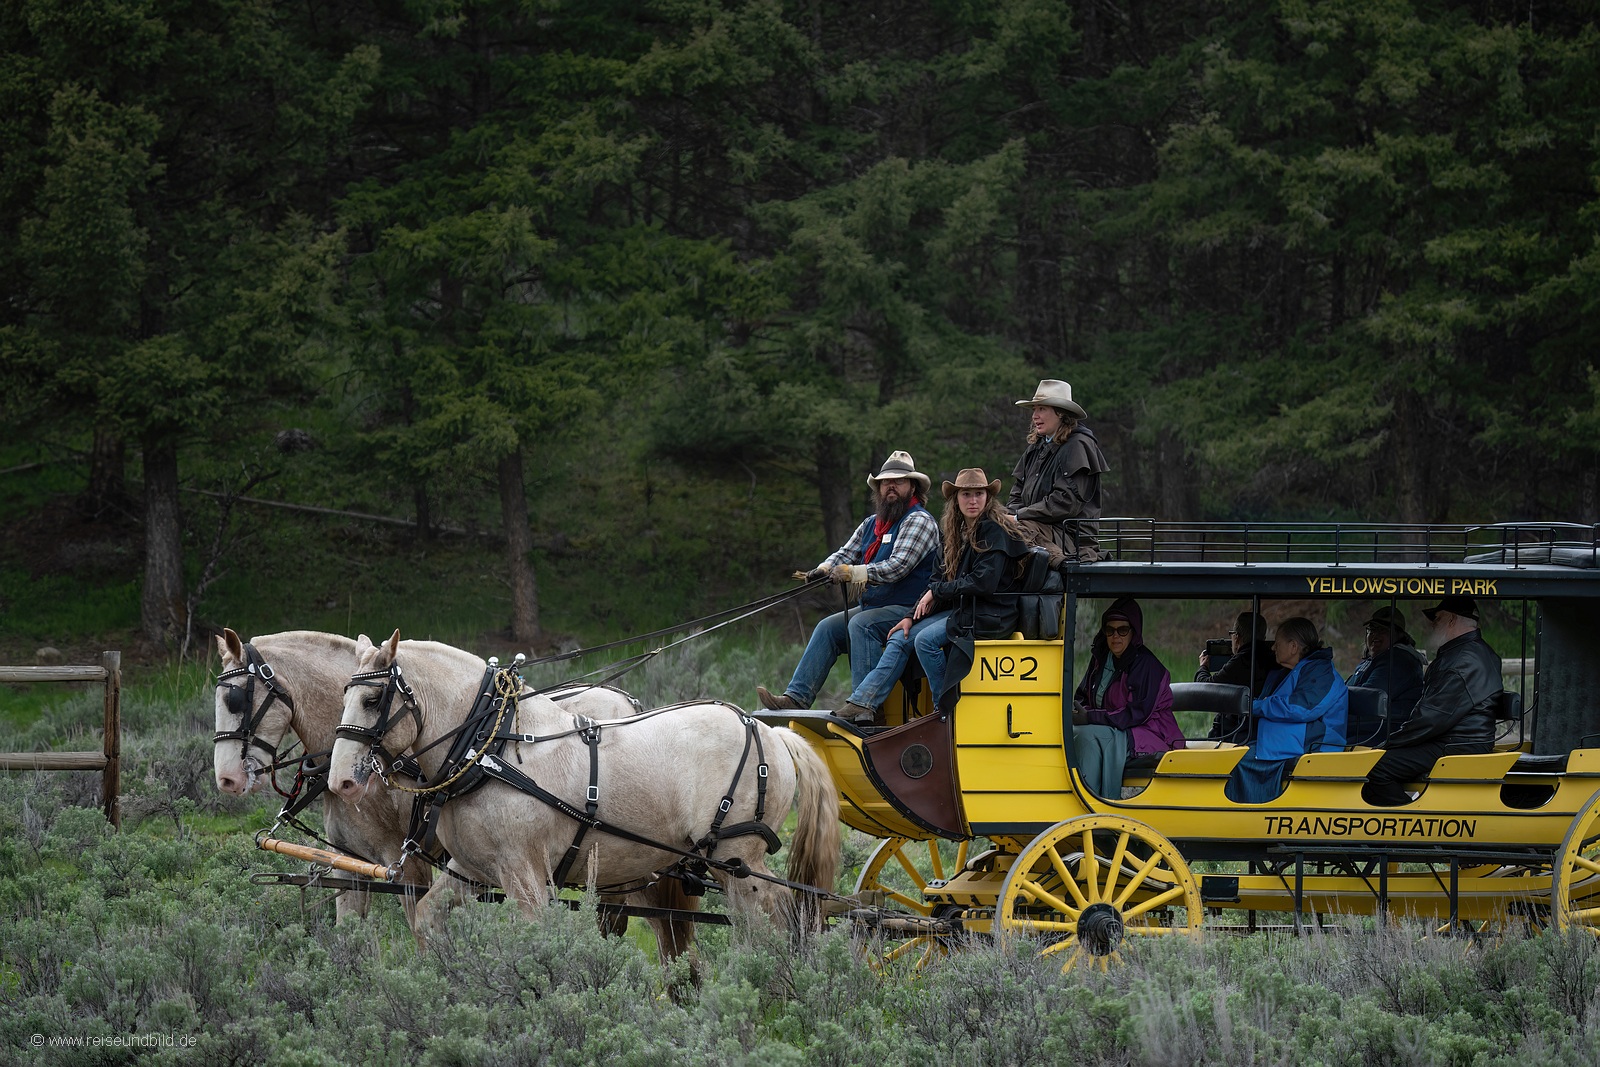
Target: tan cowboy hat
x,y
970,478
1054,393
900,465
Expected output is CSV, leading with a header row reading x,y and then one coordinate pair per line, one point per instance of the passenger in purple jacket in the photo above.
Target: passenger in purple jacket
x,y
1123,704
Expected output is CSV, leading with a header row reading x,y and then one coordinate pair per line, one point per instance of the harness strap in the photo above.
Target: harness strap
x,y
590,732
715,833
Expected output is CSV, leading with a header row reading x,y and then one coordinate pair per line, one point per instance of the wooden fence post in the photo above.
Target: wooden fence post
x,y
111,777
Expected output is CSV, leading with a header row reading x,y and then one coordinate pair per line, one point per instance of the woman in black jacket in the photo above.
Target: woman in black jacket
x,y
984,554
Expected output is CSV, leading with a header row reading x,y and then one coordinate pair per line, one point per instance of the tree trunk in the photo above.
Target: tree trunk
x,y
1412,457
833,485
419,494
161,609
108,491
519,546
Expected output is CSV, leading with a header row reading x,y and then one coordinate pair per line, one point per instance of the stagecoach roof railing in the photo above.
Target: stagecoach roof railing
x,y
1516,544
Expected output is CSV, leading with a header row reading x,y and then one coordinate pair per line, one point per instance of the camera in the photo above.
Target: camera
x,y
1218,651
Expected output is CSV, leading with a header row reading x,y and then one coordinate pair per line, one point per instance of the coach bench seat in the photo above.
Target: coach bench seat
x,y
1335,766
1212,761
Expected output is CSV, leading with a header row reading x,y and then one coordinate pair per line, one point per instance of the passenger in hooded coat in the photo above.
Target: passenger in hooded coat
x,y
1124,703
1305,710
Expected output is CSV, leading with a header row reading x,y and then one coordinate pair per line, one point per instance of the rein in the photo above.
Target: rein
x,y
754,607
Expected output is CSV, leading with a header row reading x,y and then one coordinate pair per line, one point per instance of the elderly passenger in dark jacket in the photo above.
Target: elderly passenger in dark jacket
x,y
1455,716
1251,662
1056,493
1393,663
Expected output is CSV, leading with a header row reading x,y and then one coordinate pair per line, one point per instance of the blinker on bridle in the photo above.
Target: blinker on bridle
x,y
390,681
254,667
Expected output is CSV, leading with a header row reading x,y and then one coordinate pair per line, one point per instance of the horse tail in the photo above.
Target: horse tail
x,y
814,849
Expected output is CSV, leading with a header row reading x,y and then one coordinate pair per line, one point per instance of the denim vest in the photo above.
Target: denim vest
x,y
910,587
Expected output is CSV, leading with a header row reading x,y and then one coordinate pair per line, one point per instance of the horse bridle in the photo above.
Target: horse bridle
x,y
390,681
249,721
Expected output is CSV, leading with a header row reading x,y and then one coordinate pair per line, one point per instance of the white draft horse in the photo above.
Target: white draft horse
x,y
295,682
662,777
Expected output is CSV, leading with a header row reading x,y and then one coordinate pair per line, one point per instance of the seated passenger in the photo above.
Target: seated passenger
x,y
889,559
1304,712
1124,703
1251,662
1391,662
1056,495
984,553
1455,714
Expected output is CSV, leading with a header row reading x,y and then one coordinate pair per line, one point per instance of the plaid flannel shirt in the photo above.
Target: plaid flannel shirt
x,y
918,533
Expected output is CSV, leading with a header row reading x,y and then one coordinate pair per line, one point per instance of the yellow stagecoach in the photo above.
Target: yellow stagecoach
x,y
1507,837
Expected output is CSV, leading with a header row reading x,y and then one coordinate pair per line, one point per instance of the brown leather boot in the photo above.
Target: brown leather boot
x,y
784,702
859,714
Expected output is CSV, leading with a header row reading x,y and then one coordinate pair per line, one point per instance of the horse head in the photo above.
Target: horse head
x,y
373,730
254,711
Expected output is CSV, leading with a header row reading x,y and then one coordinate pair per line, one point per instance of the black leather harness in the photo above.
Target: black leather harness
x,y
477,753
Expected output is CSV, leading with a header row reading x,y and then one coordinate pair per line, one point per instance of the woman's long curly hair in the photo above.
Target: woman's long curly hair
x,y
958,532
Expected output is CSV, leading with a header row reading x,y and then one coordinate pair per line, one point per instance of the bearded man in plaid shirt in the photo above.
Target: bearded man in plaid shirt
x,y
889,559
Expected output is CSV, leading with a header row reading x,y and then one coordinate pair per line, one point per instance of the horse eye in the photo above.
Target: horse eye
x,y
370,701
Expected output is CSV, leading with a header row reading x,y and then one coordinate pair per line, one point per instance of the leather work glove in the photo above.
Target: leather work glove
x,y
840,573
858,578
811,575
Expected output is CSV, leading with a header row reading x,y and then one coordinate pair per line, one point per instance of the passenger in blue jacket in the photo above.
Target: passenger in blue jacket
x,y
1305,710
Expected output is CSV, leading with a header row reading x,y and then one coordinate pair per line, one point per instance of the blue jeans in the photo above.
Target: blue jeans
x,y
862,636
874,689
929,643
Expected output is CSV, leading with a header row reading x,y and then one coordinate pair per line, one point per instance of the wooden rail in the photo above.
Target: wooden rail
x,y
108,761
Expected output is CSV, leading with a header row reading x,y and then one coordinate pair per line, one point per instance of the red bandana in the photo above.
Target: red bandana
x,y
879,528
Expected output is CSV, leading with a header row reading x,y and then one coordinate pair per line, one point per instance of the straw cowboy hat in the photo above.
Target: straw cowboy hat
x,y
970,478
1053,393
900,465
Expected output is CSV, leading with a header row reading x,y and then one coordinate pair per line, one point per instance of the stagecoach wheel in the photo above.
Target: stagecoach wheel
x,y
1575,887
900,869
1084,885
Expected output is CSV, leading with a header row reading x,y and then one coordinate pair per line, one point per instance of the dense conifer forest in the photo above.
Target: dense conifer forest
x,y
563,273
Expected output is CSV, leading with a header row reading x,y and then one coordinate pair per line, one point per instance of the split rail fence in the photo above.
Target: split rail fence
x,y
108,761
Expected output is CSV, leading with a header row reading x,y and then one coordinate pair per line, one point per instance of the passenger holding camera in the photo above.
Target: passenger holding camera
x,y
1305,712
1249,663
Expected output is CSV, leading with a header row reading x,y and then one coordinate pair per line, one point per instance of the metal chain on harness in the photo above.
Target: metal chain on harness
x,y
507,684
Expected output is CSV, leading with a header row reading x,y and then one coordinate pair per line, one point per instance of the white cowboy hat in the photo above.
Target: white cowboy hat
x,y
1054,393
900,465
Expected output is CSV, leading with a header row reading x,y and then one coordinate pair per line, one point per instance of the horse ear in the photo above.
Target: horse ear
x,y
392,645
363,642
230,645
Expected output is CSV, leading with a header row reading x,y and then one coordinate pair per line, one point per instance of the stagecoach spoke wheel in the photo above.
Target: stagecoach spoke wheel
x,y
897,872
1575,888
1086,884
